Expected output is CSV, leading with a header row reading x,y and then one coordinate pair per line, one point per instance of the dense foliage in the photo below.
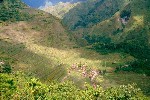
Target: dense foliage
x,y
125,13
137,48
5,68
126,31
89,13
11,11
20,86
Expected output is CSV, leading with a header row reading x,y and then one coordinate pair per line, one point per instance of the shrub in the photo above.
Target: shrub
x,y
11,11
5,68
22,87
125,13
128,92
7,86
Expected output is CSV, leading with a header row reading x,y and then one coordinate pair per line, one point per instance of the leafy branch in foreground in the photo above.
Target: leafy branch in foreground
x,y
19,86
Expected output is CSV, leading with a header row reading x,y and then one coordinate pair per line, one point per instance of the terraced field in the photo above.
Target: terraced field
x,y
43,48
29,55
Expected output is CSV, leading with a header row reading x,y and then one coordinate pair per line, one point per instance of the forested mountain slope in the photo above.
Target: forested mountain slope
x,y
38,56
36,43
91,12
115,26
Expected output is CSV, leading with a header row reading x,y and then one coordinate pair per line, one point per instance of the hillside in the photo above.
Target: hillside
x,y
39,45
35,43
124,30
91,12
42,47
60,9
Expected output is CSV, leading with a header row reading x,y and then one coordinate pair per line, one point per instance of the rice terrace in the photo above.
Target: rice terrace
x,y
75,50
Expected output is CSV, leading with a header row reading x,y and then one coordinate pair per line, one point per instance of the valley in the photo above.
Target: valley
x,y
29,48
40,45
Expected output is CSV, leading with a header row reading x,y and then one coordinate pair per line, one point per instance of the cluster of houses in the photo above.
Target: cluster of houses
x,y
84,72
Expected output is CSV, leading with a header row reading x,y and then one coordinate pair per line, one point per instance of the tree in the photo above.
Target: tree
x,y
1,1
5,68
125,13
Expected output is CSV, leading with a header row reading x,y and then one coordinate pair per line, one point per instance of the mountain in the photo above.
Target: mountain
x,y
60,9
39,54
91,12
36,43
43,3
114,25
23,31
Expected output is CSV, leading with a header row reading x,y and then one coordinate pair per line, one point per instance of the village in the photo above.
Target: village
x,y
86,72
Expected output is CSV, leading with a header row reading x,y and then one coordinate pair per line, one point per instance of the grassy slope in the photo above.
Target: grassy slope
x,y
135,35
29,47
41,46
41,43
139,19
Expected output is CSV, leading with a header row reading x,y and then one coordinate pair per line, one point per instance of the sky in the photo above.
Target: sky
x,y
39,3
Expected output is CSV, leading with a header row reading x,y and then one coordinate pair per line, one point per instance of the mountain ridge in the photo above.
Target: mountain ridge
x,y
110,53
60,9
127,30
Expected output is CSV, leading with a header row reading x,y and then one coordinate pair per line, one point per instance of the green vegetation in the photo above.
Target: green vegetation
x,y
11,11
125,13
91,12
20,86
129,78
124,31
5,68
35,43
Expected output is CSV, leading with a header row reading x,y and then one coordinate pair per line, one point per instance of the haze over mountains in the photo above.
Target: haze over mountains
x,y
74,49
56,7
38,3
60,9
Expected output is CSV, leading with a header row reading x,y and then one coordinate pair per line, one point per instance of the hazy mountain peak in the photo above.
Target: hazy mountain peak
x,y
60,9
40,3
